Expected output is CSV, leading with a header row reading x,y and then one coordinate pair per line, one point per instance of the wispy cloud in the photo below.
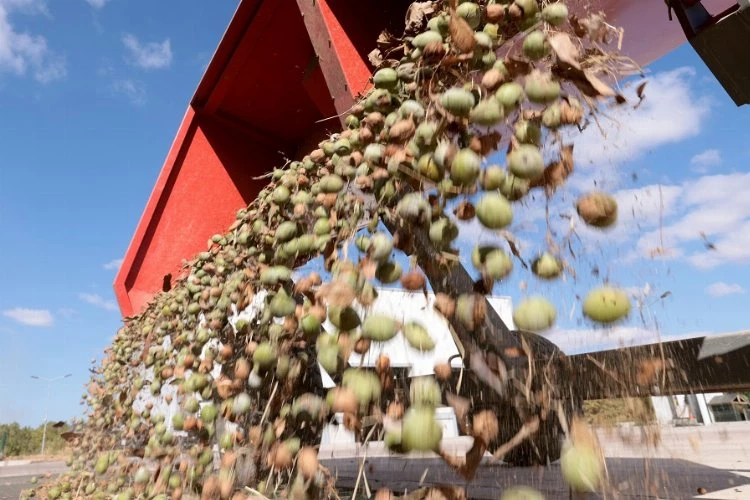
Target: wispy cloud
x,y
702,162
150,55
98,301
671,112
135,91
30,317
715,207
97,4
26,53
113,265
67,312
721,289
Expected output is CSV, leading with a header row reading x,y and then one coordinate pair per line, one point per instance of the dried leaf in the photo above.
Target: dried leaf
x,y
516,67
564,49
461,33
465,210
417,16
514,249
489,142
598,85
639,90
70,436
586,81
460,407
386,41
375,57
556,173
529,428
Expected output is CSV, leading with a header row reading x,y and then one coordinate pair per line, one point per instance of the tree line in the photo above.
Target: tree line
x,y
16,440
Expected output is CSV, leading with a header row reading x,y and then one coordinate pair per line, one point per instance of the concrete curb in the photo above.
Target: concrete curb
x,y
14,463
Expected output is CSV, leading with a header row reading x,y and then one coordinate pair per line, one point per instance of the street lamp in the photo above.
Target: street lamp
x,y
46,405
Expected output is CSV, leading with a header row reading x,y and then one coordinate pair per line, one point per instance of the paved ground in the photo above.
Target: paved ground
x,y
696,462
699,462
16,476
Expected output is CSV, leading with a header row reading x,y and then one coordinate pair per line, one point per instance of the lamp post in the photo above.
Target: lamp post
x,y
46,405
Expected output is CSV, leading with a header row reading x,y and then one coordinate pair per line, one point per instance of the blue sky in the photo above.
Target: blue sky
x,y
92,94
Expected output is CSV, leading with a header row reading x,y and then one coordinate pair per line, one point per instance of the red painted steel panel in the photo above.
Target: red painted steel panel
x,y
208,182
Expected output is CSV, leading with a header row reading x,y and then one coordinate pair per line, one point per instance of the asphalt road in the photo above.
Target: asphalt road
x,y
17,477
704,463
700,462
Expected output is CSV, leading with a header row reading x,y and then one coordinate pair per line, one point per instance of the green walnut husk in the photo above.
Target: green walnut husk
x,y
385,78
487,113
424,392
535,314
526,162
509,95
471,12
547,266
379,327
424,39
465,167
364,383
555,14
417,337
420,430
494,211
606,304
458,101
494,262
581,468
535,45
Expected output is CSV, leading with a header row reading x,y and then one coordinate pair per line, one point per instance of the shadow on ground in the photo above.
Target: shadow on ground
x,y
628,477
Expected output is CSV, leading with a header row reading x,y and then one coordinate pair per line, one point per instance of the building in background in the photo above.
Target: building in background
x,y
733,407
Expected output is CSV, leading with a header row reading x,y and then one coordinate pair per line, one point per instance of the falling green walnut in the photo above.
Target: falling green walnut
x,y
606,305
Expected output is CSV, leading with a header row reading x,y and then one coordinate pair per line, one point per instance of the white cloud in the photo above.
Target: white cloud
x,y
151,55
732,247
113,265
97,4
669,113
26,6
135,91
576,341
716,206
721,289
27,53
98,301
30,317
702,162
